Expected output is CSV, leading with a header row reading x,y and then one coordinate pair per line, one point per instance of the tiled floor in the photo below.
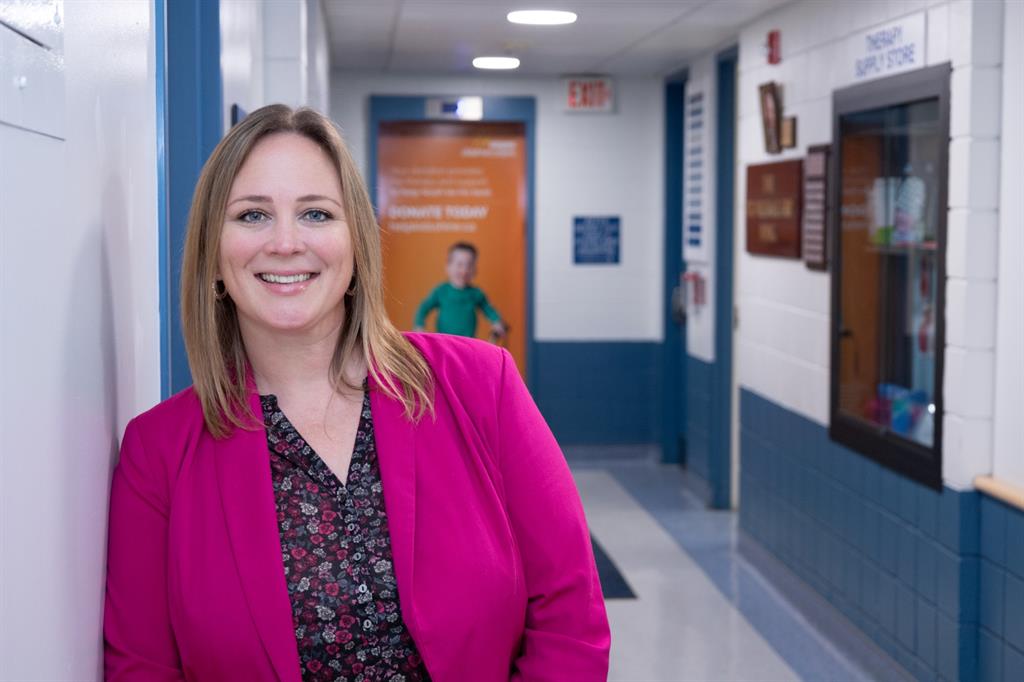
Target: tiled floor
x,y
701,612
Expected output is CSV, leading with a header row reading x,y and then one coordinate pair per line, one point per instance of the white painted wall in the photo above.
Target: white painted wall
x,y
782,345
586,164
241,56
274,51
972,289
1008,462
318,60
285,30
79,311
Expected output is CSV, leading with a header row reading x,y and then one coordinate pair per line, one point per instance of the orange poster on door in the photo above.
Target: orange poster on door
x,y
439,183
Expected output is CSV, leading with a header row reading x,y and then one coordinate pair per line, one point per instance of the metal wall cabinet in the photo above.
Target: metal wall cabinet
x,y
32,66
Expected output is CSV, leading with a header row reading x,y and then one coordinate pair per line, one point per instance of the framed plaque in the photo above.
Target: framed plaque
x,y
771,116
787,133
774,208
815,209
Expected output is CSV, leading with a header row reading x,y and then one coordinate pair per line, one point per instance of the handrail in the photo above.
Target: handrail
x,y
1001,490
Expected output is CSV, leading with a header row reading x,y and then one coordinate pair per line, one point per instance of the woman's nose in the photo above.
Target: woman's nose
x,y
285,237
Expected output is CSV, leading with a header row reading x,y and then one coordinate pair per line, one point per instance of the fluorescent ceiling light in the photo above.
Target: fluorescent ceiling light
x,y
541,17
496,63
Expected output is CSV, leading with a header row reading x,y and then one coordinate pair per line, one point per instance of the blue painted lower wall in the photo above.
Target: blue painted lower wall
x,y
1001,592
599,393
699,376
928,576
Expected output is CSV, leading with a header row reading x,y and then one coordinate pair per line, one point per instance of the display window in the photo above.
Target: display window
x,y
888,286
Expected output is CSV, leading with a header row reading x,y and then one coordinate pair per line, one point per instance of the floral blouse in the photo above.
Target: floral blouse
x,y
337,559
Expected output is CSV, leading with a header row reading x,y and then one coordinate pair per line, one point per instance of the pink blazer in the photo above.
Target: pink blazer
x,y
495,570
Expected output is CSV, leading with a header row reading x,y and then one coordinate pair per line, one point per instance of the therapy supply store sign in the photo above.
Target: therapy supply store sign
x,y
888,49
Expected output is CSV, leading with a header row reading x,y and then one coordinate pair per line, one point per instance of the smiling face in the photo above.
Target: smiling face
x,y
286,250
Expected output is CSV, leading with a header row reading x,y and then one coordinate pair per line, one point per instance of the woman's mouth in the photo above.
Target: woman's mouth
x,y
286,279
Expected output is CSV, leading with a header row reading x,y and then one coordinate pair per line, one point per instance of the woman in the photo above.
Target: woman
x,y
332,499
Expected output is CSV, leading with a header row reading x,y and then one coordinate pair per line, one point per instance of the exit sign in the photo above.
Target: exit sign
x,y
585,93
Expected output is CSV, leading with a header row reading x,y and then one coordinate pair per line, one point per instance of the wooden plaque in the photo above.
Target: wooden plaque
x,y
771,116
774,208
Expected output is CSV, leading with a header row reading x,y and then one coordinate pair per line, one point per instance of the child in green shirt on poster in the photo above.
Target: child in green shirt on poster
x,y
457,300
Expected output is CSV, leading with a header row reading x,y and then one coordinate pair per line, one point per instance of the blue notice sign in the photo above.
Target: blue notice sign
x,y
596,239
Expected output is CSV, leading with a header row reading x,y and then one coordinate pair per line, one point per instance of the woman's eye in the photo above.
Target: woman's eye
x,y
252,217
317,215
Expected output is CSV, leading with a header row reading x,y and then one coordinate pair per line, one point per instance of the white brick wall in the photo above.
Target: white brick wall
x,y
783,338
971,243
979,32
1008,462
970,313
971,289
969,370
974,108
973,171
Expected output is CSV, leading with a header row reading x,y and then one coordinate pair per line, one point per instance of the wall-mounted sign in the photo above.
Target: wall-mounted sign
x,y
815,209
888,49
773,208
596,239
586,93
787,132
694,173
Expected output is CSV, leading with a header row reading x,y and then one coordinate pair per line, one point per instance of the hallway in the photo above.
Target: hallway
x,y
757,262
702,611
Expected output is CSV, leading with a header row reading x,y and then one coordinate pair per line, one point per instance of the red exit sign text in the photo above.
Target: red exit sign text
x,y
589,94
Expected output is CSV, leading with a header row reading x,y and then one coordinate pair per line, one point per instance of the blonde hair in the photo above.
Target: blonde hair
x,y
213,340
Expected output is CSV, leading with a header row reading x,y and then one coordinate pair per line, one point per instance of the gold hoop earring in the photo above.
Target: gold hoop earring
x,y
219,293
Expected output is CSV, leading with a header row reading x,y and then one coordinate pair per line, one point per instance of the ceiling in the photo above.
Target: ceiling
x,y
629,37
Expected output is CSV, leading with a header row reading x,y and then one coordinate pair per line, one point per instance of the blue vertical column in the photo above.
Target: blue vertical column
x,y
720,464
674,369
189,105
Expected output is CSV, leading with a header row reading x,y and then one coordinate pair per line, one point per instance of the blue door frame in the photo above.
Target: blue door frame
x,y
720,463
188,100
673,446
495,109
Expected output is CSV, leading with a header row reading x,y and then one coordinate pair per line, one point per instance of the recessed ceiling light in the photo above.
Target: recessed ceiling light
x,y
542,17
496,63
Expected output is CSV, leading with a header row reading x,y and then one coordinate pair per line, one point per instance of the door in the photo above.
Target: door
x,y
445,182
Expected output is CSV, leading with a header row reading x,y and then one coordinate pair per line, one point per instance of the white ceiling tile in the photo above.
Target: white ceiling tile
x,y
442,36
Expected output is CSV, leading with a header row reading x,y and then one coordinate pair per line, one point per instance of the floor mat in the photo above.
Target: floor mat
x,y
613,584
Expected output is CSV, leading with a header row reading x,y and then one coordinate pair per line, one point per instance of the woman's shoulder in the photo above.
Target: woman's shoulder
x,y
454,358
157,442
170,419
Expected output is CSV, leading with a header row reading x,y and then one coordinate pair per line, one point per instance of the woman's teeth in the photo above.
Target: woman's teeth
x,y
284,279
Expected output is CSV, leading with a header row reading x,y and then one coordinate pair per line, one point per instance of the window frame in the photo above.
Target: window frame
x,y
911,459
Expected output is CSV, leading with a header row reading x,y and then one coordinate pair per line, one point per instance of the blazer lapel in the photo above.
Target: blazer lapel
x,y
395,438
243,470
